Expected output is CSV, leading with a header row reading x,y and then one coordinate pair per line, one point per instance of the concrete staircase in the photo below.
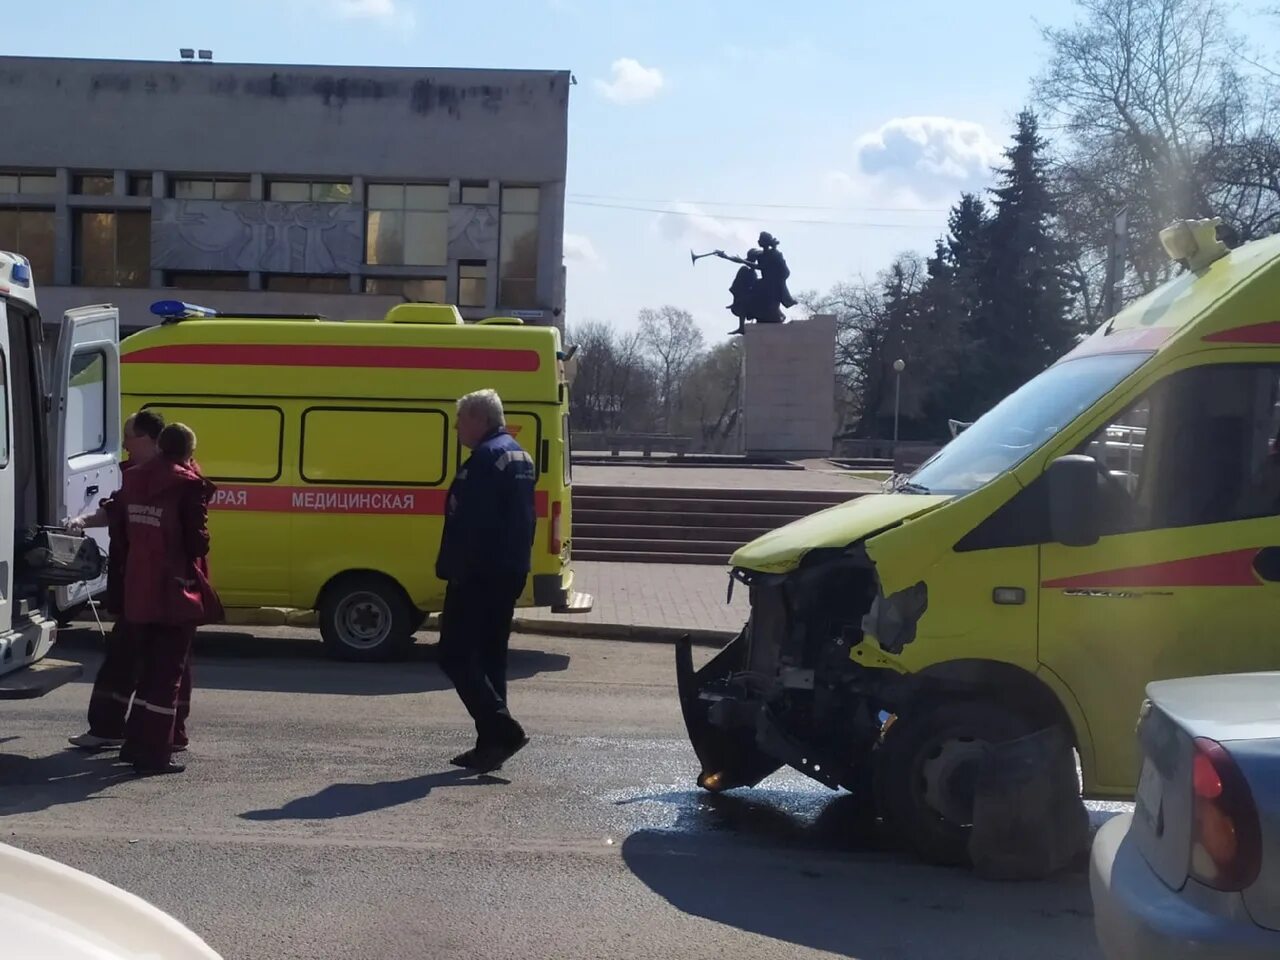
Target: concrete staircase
x,y
683,525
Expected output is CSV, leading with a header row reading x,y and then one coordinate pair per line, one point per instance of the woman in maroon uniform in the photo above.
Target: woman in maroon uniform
x,y
163,521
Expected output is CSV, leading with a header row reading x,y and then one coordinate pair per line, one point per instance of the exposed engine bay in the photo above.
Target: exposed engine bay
x,y
803,685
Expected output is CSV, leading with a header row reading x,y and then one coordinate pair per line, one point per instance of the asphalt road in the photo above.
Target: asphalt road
x,y
318,819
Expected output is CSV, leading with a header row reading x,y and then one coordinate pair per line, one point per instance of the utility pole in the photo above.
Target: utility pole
x,y
1117,250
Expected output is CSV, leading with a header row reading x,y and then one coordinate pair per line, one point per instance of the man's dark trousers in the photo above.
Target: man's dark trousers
x,y
475,629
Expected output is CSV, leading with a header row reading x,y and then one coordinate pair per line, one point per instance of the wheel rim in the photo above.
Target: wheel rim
x,y
363,620
948,778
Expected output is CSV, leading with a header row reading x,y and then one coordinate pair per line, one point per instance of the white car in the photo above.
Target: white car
x,y
1195,870
48,911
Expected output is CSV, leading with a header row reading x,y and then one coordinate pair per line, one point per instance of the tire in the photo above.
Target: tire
x,y
67,617
366,617
927,768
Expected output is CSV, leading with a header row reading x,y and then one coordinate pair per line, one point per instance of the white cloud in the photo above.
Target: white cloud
x,y
931,156
688,224
631,82
578,248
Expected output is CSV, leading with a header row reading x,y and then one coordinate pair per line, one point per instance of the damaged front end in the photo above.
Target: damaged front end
x,y
803,685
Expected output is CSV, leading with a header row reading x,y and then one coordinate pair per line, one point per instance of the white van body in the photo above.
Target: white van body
x,y
59,454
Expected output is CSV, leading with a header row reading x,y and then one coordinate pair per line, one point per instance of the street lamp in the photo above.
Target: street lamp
x,y
899,366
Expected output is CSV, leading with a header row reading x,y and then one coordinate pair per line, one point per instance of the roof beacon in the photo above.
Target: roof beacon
x,y
1194,243
177,310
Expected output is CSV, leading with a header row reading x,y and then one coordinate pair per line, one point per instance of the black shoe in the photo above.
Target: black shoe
x,y
491,758
465,759
152,770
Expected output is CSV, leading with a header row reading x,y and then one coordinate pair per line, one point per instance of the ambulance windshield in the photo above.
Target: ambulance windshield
x,y
1021,423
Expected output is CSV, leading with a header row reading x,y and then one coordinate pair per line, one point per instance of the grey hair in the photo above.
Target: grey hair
x,y
486,403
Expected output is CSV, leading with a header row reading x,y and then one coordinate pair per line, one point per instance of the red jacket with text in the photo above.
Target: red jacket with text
x,y
161,520
116,552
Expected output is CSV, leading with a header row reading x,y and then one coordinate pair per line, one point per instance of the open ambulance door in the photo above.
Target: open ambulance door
x,y
84,425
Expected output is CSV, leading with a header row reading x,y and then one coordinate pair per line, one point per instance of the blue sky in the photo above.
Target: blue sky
x,y
871,114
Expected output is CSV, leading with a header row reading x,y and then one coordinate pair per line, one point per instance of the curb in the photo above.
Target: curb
x,y
633,632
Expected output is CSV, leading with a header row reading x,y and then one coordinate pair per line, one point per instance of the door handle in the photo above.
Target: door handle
x,y
91,491
1267,564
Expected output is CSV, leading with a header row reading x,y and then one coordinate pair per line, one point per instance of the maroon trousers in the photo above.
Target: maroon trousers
x,y
116,682
165,652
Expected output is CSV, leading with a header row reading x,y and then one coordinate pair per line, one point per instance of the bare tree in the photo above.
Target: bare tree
x,y
1158,119
613,390
709,398
672,342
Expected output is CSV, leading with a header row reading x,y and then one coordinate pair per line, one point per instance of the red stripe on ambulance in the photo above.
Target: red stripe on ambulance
x,y
339,355
395,501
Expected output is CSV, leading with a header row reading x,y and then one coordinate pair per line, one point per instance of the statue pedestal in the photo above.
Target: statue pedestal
x,y
788,388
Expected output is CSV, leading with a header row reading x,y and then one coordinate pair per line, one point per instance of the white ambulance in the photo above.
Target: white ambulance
x,y
59,453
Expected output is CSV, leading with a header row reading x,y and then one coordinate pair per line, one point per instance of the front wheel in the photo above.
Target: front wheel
x,y
366,617
928,773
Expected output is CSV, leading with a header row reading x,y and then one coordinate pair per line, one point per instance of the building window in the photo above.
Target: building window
x,y
302,283
192,280
407,224
140,186
307,191
518,255
475,193
211,189
94,185
37,183
473,285
30,233
414,291
112,249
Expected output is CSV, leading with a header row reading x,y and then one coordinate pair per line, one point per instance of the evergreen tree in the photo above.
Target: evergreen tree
x,y
952,305
1024,320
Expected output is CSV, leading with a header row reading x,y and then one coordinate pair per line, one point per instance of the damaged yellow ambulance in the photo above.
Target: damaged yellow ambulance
x,y
1114,521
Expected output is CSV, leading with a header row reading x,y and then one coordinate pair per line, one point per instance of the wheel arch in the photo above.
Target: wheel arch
x,y
354,572
1002,682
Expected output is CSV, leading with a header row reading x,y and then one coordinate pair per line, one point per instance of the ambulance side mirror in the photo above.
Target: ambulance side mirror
x,y
1075,507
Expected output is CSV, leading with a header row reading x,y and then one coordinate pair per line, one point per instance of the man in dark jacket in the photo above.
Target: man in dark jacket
x,y
484,559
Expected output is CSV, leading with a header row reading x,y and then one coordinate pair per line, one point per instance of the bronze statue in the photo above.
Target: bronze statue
x,y
759,298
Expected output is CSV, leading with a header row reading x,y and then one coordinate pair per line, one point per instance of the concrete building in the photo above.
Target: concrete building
x,y
282,189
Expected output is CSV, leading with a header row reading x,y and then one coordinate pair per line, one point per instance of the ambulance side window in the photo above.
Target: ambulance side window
x,y
87,405
4,410
374,446
1197,449
234,442
568,451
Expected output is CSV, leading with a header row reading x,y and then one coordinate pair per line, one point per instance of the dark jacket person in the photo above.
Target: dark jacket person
x,y
484,559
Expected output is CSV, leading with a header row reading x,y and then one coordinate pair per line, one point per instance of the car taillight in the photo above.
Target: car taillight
x,y
556,534
1226,839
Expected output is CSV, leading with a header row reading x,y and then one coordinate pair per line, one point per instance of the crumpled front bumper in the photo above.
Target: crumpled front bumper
x,y
721,727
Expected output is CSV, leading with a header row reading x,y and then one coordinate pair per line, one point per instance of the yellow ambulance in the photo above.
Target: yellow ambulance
x,y
1114,521
333,446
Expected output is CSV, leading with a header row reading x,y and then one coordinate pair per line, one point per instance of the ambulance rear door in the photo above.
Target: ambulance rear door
x,y
84,424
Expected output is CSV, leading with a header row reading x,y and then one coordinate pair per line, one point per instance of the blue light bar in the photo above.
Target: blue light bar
x,y
176,309
21,274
